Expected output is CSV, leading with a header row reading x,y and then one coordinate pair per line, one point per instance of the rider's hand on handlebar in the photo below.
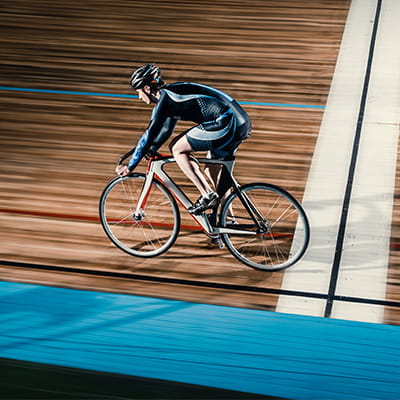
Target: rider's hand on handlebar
x,y
151,153
122,170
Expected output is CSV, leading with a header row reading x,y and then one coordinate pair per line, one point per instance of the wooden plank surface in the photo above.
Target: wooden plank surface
x,y
58,151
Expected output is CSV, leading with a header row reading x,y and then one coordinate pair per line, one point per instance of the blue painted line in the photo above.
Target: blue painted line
x,y
127,96
290,356
281,105
66,92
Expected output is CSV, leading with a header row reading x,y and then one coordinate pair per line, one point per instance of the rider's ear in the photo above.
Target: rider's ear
x,y
147,89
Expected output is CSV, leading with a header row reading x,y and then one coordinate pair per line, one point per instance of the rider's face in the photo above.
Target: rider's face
x,y
144,94
147,95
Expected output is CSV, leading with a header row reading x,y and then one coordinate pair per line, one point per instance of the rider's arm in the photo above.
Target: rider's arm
x,y
157,133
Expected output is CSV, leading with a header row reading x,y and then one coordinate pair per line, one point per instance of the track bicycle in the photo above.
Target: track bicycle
x,y
261,224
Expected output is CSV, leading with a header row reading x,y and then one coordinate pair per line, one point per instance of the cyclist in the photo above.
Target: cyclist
x,y
222,125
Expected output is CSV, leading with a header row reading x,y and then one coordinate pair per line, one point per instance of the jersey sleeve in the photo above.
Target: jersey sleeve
x,y
157,133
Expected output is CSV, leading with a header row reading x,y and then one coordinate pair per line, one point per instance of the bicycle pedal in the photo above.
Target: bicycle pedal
x,y
219,242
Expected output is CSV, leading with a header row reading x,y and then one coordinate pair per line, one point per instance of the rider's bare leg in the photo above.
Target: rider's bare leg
x,y
181,151
213,173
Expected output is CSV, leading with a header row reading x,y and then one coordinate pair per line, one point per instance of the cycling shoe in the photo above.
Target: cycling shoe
x,y
204,203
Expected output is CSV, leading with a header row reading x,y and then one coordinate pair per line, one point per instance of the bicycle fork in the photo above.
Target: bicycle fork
x,y
144,194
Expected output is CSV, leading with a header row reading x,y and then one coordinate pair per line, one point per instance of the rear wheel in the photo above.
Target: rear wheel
x,y
148,234
283,232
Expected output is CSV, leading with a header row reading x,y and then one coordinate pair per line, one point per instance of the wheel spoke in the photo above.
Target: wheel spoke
x,y
154,231
274,249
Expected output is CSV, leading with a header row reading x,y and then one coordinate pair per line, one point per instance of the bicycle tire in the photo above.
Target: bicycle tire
x,y
157,229
286,238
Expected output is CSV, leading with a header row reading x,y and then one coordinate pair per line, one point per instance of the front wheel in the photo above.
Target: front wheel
x,y
148,234
282,233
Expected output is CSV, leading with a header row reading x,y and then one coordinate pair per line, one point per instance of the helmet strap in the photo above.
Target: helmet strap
x,y
153,93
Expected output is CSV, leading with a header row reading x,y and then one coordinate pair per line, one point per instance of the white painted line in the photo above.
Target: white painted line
x,y
323,198
363,270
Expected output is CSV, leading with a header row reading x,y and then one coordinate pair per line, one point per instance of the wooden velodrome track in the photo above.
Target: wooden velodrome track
x,y
59,150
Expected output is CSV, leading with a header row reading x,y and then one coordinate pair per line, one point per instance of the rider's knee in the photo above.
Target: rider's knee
x,y
180,146
174,149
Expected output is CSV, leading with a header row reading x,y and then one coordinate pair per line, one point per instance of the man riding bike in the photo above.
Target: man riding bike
x,y
222,125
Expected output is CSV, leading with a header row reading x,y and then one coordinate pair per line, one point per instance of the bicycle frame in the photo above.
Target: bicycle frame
x,y
155,170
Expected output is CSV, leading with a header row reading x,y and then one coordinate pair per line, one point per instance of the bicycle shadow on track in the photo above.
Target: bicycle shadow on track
x,y
171,254
215,263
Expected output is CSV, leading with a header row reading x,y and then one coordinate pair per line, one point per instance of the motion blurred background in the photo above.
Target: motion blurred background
x,y
58,149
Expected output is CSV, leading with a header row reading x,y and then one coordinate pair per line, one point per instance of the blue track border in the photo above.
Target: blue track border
x,y
254,351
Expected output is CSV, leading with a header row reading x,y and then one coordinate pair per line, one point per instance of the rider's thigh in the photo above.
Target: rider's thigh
x,y
180,145
175,140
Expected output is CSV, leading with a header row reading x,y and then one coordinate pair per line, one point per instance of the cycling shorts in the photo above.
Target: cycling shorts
x,y
220,137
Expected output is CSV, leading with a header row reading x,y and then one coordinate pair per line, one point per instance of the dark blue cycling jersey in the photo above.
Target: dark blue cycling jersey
x,y
221,122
